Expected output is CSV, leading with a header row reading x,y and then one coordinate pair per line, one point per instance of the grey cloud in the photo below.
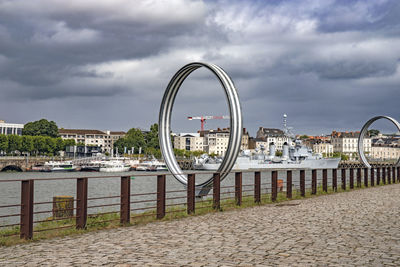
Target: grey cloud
x,y
325,68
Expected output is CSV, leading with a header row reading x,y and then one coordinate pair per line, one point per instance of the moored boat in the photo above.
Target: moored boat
x,y
114,166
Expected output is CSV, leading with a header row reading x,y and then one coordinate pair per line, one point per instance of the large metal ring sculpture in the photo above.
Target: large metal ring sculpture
x,y
235,136
364,131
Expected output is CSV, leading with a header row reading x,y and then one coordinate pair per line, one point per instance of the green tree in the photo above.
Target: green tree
x,y
344,157
14,143
39,144
68,142
27,144
152,137
3,143
41,127
134,138
304,136
51,145
373,132
60,144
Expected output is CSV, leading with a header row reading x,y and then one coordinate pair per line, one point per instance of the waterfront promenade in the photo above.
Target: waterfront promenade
x,y
360,228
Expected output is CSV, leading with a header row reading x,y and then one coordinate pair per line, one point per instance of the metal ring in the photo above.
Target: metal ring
x,y
236,124
364,131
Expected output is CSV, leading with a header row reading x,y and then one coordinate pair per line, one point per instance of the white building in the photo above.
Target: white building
x,y
10,128
189,141
347,143
209,141
102,139
385,148
271,135
325,149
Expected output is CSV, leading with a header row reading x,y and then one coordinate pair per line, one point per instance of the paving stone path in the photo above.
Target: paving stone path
x,y
358,228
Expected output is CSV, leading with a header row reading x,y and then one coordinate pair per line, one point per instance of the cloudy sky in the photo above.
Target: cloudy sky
x,y
96,64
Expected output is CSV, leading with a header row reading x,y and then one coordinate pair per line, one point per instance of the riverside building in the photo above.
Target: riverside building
x,y
10,128
272,135
208,141
347,143
104,140
385,148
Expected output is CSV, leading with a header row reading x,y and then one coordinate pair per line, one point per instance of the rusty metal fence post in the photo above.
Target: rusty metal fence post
x,y
191,204
274,185
81,202
372,176
366,177
398,174
125,208
334,180
216,191
238,188
257,187
303,183
325,180
351,183
313,182
378,176
26,219
394,174
359,177
389,178
161,196
384,175
289,184
343,177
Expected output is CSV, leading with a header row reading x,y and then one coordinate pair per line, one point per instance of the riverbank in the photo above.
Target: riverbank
x,y
350,228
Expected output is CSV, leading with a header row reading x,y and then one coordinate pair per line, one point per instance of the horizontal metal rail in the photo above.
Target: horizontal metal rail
x,y
95,198
104,205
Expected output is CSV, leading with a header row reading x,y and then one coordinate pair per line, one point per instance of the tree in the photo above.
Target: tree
x,y
60,144
3,142
51,145
134,138
152,137
373,132
304,136
14,143
68,142
41,127
27,144
39,144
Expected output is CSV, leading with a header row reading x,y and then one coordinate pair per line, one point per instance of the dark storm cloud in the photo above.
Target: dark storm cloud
x,y
327,64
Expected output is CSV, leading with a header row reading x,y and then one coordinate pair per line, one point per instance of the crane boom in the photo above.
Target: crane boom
x,y
204,118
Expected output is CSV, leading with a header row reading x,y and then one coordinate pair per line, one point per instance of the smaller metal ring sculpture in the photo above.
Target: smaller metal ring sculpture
x,y
364,131
236,125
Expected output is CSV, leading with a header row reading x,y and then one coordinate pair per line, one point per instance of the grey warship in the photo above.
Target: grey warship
x,y
294,156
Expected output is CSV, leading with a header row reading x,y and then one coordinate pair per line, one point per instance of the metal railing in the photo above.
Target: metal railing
x,y
160,200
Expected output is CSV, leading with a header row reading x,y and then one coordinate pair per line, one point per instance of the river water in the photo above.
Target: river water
x,y
141,182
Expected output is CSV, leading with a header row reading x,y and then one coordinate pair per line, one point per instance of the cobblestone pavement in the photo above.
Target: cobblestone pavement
x,y
358,228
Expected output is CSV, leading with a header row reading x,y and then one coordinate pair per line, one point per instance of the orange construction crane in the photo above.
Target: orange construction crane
x,y
204,118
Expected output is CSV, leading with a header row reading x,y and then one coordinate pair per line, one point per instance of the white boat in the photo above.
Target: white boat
x,y
153,165
60,166
114,166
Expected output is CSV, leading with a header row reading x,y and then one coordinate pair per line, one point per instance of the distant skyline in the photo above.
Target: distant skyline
x,y
329,65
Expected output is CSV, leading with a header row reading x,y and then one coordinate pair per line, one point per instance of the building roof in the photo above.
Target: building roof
x,y
263,132
346,134
79,131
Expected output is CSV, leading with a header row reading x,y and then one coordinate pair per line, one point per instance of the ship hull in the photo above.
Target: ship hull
x,y
330,163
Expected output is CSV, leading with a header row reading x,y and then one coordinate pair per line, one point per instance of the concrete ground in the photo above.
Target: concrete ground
x,y
358,228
